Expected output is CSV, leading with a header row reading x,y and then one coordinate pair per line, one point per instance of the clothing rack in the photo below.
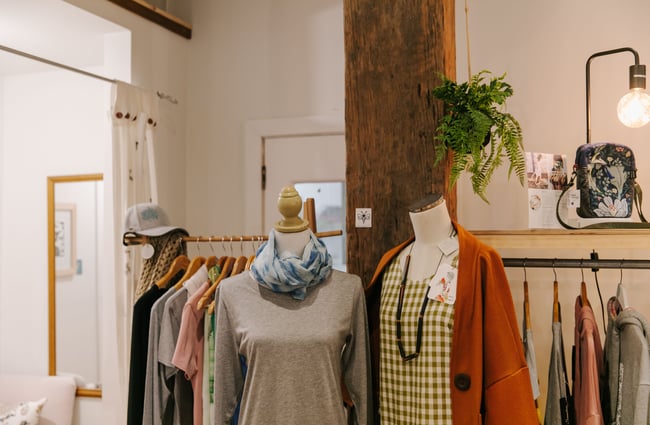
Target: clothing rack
x,y
132,239
309,212
577,263
160,94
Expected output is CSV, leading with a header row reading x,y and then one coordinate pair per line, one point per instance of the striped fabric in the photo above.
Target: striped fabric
x,y
166,248
416,392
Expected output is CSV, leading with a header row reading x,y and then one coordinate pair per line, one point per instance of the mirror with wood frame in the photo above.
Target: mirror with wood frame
x,y
75,227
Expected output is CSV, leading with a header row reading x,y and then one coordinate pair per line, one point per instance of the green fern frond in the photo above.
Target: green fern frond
x,y
474,111
517,161
459,165
514,149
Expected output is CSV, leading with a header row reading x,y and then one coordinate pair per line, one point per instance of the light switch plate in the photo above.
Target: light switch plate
x,y
363,217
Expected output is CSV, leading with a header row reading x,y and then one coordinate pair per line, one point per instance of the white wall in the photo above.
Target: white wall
x,y
248,63
46,132
246,60
266,59
41,137
78,296
543,48
252,60
159,61
2,245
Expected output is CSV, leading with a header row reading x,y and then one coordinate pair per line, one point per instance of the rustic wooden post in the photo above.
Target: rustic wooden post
x,y
395,51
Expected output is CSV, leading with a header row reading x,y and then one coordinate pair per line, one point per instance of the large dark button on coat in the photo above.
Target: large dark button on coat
x,y
462,381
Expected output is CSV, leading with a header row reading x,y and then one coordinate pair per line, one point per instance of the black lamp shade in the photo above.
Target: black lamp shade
x,y
637,76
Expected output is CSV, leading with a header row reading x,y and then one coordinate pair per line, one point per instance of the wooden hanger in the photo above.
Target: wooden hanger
x,y
249,263
239,266
225,272
621,293
526,306
583,294
211,261
221,261
211,307
180,263
195,264
234,271
556,303
526,299
583,290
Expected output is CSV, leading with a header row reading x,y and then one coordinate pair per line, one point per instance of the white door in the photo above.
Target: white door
x,y
308,154
315,166
300,159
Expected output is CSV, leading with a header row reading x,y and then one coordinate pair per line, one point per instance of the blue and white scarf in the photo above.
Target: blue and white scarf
x,y
292,274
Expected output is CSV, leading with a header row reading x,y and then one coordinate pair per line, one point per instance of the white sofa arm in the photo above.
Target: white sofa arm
x,y
59,391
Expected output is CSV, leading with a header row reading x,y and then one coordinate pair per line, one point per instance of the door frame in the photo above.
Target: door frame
x,y
259,132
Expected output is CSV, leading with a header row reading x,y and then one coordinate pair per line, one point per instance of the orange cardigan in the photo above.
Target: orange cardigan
x,y
489,378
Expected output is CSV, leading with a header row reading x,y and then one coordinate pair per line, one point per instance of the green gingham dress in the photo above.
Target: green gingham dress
x,y
414,392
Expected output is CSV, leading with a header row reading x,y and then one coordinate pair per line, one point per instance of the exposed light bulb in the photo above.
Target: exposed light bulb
x,y
634,108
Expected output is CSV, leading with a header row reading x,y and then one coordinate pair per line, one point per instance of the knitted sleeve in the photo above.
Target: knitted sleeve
x,y
228,376
356,359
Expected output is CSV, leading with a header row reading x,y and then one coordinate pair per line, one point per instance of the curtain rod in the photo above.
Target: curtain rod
x,y
77,70
576,263
57,64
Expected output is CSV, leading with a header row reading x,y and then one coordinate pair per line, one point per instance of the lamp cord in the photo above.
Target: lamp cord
x,y
469,65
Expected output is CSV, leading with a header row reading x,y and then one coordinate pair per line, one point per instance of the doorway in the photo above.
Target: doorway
x,y
308,153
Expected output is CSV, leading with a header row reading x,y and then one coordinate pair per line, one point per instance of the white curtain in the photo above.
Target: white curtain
x,y
131,180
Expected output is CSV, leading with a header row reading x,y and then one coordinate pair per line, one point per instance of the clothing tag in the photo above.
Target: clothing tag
x,y
147,251
448,246
574,199
443,284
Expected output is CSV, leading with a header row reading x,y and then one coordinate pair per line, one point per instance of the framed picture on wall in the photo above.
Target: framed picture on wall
x,y
65,256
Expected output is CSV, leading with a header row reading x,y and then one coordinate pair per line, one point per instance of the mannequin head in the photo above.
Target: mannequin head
x,y
291,244
430,219
292,232
430,201
431,225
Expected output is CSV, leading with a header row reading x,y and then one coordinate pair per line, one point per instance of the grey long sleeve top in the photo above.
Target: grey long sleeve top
x,y
628,364
295,352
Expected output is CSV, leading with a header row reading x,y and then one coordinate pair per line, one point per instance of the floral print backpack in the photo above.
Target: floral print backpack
x,y
605,177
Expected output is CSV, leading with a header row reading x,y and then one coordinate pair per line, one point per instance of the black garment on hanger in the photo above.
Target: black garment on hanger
x,y
139,349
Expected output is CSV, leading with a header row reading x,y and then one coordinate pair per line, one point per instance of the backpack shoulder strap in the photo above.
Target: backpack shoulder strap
x,y
566,187
638,199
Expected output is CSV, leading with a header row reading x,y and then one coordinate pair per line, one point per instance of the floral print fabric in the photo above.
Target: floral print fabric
x,y
292,275
605,177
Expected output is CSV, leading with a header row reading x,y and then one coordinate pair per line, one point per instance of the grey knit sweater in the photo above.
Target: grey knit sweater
x,y
296,353
628,366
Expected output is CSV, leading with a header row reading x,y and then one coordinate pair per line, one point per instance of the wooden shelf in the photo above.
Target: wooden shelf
x,y
565,239
157,15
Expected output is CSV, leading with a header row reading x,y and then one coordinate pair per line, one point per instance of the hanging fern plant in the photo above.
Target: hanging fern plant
x,y
478,130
